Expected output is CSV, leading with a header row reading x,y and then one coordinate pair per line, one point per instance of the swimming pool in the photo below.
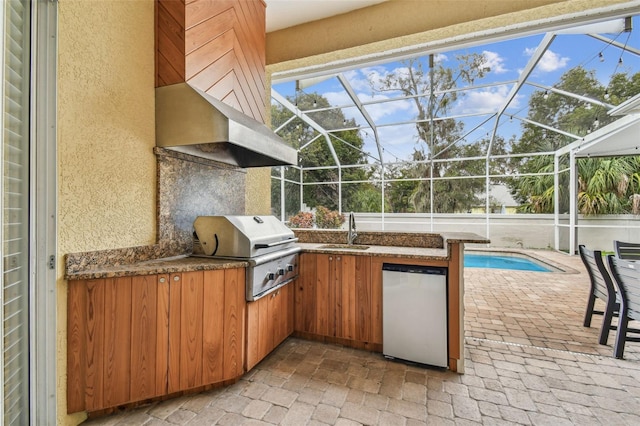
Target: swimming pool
x,y
496,261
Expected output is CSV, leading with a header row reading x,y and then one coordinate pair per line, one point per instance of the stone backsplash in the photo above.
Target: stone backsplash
x,y
396,239
189,187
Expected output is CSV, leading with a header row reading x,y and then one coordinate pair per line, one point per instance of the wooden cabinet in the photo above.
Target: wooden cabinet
x,y
269,322
338,299
335,298
135,338
206,326
105,317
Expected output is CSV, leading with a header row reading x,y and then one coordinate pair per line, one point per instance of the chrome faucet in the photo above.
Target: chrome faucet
x,y
352,229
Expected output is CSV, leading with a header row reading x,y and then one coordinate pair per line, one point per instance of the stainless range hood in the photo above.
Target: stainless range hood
x,y
189,120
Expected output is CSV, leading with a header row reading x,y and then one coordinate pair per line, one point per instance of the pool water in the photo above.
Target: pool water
x,y
502,262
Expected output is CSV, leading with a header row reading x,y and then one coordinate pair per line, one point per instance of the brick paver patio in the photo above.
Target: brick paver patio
x,y
528,361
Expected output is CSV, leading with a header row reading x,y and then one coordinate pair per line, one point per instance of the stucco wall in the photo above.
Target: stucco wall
x,y
258,191
106,135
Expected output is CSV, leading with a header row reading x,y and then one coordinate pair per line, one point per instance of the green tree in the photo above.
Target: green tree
x,y
606,185
398,191
439,139
603,185
323,183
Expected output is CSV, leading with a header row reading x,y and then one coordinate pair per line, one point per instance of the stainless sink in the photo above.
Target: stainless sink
x,y
344,246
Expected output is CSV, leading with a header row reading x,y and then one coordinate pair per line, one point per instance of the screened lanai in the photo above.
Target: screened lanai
x,y
478,133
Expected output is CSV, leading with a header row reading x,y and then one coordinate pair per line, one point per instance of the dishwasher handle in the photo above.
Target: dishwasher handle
x,y
414,269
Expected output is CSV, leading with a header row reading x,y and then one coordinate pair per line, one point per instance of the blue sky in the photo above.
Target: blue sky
x,y
506,60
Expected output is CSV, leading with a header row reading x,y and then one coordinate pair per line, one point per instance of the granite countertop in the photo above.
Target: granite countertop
x,y
377,251
464,237
148,260
165,265
415,245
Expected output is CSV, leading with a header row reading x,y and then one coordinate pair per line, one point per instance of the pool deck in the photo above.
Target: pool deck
x,y
528,358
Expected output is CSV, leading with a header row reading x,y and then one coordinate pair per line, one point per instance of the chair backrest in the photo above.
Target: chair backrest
x,y
601,282
626,274
624,250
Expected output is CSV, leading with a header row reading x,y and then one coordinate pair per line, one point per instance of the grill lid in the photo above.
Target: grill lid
x,y
241,236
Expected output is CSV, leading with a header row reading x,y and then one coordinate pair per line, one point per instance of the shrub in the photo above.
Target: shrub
x,y
301,220
328,219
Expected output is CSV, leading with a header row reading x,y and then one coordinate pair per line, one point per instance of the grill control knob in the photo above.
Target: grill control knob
x,y
280,271
289,267
271,276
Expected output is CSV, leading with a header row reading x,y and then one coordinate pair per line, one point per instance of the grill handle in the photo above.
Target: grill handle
x,y
277,243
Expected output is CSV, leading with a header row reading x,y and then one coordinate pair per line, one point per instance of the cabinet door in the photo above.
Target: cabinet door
x,y
325,293
260,329
334,296
234,323
186,320
283,314
117,341
213,326
207,311
305,294
149,336
269,322
353,297
291,308
265,326
364,308
344,270
315,294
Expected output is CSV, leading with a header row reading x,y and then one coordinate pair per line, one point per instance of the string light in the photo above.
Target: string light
x,y
546,95
601,57
315,103
606,94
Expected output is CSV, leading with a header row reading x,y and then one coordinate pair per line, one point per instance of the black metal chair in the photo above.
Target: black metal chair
x,y
601,288
627,251
626,275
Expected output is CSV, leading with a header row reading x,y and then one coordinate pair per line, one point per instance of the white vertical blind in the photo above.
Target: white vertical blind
x,y
15,212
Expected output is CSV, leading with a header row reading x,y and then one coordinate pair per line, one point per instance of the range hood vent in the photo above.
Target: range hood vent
x,y
190,121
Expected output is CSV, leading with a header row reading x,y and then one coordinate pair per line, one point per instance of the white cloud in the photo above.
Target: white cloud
x,y
358,79
485,100
377,75
440,57
376,111
398,142
494,61
550,61
388,109
337,98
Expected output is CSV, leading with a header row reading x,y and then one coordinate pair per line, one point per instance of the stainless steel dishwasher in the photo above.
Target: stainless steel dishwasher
x,y
414,313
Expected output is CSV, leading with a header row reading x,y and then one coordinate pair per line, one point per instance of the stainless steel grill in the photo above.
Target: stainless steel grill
x,y
263,241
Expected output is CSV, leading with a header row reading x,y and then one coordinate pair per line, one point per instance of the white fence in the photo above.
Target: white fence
x,y
512,230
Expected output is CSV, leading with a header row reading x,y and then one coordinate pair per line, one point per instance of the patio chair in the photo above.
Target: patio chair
x,y
626,275
601,288
628,251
